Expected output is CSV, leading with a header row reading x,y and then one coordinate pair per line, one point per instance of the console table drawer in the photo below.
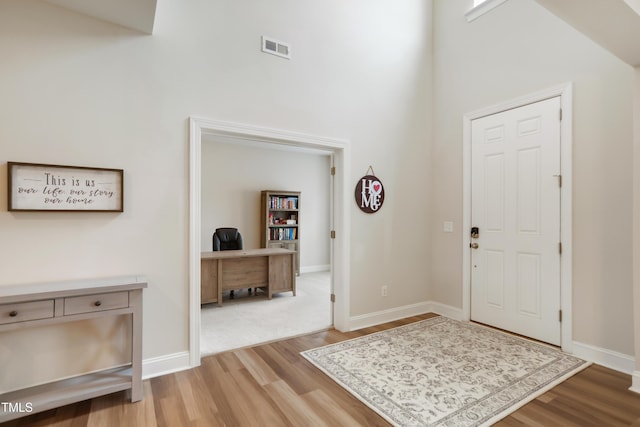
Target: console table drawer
x,y
24,311
97,302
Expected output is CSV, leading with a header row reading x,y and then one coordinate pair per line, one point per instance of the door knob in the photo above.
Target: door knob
x,y
473,245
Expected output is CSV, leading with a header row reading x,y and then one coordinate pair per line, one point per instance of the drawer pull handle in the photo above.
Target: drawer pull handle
x,y
97,303
13,313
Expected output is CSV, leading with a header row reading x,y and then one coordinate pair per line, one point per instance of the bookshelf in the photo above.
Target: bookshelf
x,y
280,221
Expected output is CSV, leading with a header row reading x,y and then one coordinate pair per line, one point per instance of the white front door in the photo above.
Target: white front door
x,y
515,205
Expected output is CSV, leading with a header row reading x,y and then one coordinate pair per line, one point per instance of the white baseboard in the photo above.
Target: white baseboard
x,y
396,313
167,364
602,356
314,268
635,382
446,311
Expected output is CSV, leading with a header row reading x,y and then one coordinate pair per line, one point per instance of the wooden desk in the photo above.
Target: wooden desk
x,y
272,269
25,306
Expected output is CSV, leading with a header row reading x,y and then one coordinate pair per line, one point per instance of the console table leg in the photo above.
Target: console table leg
x,y
136,346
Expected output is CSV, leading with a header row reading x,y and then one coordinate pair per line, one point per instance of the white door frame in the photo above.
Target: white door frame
x,y
340,150
565,91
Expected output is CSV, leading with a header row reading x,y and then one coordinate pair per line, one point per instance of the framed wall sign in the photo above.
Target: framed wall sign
x,y
39,187
369,194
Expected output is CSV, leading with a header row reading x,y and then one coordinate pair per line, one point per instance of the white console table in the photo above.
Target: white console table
x,y
25,306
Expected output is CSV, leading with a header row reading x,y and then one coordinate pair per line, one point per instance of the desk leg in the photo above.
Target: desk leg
x,y
219,283
269,277
136,345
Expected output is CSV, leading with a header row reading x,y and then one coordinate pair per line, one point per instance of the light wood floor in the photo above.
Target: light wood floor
x,y
272,385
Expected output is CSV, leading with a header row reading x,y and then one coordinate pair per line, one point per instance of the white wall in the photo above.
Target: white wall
x,y
77,91
517,49
233,176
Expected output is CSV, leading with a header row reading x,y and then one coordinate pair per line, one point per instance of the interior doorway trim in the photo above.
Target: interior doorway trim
x,y
340,149
565,92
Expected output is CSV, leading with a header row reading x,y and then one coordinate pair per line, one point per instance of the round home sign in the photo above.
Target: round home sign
x,y
369,194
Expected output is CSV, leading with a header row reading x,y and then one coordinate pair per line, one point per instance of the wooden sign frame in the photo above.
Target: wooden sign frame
x,y
34,187
369,194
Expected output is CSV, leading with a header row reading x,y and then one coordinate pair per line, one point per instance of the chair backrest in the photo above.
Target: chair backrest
x,y
226,239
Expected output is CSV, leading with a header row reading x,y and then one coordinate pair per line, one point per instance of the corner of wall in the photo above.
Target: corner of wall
x,y
636,230
167,364
384,316
635,384
608,358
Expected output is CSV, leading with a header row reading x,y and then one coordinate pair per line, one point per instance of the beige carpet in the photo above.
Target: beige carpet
x,y
253,319
442,372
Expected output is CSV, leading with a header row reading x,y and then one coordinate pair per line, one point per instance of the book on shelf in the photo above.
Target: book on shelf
x,y
283,233
283,202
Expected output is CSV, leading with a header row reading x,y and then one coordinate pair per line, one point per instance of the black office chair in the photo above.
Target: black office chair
x,y
227,239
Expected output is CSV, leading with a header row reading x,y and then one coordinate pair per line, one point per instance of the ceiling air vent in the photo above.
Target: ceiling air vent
x,y
276,47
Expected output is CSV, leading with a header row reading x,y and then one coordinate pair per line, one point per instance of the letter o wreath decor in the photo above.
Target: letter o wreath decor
x,y
369,194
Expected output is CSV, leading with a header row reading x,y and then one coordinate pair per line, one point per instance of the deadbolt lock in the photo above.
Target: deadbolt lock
x,y
475,232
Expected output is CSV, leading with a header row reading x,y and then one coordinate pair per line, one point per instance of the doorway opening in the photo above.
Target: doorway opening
x,y
564,92
238,179
202,129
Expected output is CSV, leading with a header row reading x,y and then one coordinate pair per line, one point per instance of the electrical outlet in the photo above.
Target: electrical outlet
x,y
384,290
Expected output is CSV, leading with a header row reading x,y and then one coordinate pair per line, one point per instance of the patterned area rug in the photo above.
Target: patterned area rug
x,y
442,372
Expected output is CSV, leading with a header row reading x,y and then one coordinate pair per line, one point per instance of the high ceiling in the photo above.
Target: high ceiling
x,y
138,15
614,24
